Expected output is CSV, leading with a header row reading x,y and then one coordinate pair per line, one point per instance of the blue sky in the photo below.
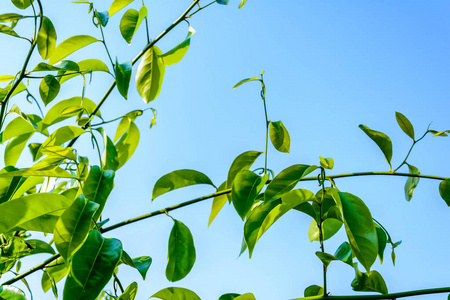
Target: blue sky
x,y
329,66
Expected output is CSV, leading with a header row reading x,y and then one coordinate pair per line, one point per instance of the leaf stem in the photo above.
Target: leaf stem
x,y
106,47
321,237
263,97
409,152
200,8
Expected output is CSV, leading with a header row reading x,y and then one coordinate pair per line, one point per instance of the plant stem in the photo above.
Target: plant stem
x,y
410,149
106,47
4,103
267,135
201,8
118,282
146,25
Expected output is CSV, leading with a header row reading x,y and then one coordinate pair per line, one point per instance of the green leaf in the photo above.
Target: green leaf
x,y
117,5
54,272
382,240
142,263
246,186
344,253
229,296
127,144
279,136
405,125
8,185
102,17
176,293
10,17
27,208
9,292
327,163
286,181
242,3
71,45
360,229
14,148
60,136
246,79
411,182
59,151
242,162
444,190
22,4
4,78
73,226
46,40
54,114
92,267
86,66
382,140
97,187
130,293
49,89
131,21
314,290
178,179
25,186
64,65
150,74
177,53
329,228
246,296
123,77
109,157
3,92
369,282
8,30
217,203
17,127
181,256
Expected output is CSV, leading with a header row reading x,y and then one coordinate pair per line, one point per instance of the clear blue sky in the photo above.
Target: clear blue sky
x,y
329,66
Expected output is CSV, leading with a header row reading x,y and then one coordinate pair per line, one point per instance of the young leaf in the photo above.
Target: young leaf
x,y
46,40
123,77
102,17
117,5
178,179
217,203
10,17
130,292
242,3
8,30
314,290
360,229
131,21
411,182
176,293
245,80
223,2
286,181
382,140
22,4
369,282
150,74
444,190
181,256
246,186
71,45
176,54
405,125
279,136
382,240
327,163
73,226
49,89
92,267
97,187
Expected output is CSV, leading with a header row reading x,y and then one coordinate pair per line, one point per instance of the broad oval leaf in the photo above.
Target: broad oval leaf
x,y
92,267
49,89
10,17
9,292
279,136
327,163
73,226
382,140
22,4
286,181
181,256
71,45
97,187
314,290
131,21
46,40
246,186
444,190
150,74
405,124
329,228
360,229
369,282
130,292
242,162
22,210
178,179
17,127
123,77
176,293
117,5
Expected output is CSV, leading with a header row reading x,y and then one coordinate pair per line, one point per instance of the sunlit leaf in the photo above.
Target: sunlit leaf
x,y
405,124
314,290
54,272
176,293
246,186
117,5
329,228
130,292
217,203
177,53
229,296
14,148
98,186
246,79
142,263
369,282
178,179
382,140
92,267
327,163
49,89
411,182
131,21
181,256
150,74
71,45
102,17
9,292
10,17
86,66
242,3
127,144
46,41
22,4
8,30
279,136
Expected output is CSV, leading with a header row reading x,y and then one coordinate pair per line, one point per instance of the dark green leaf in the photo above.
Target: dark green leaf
x,y
279,136
123,77
411,182
109,157
177,53
178,179
49,89
246,186
369,282
64,65
150,74
382,239
181,256
360,229
92,267
98,186
46,41
71,45
118,5
382,140
142,263
9,292
73,226
22,4
286,181
217,203
176,293
314,290
405,125
130,293
444,190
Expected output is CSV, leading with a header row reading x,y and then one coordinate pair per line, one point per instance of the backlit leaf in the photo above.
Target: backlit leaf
x,y
176,293
246,186
14,148
130,292
217,203
369,282
10,17
54,272
8,30
49,89
329,228
86,66
242,3
142,263
314,290
405,124
279,136
177,53
327,163
127,144
181,256
9,292
131,21
150,74
242,162
98,186
444,190
22,4
71,45
246,79
46,41
382,140
411,182
123,77
118,5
